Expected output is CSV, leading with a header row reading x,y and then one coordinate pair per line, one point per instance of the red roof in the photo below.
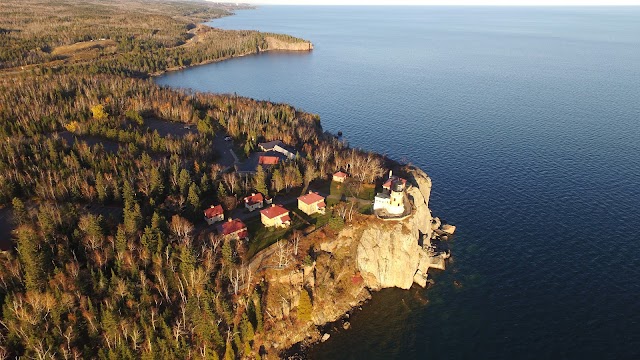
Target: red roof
x,y
231,227
213,211
322,205
268,160
254,199
387,184
340,174
285,218
311,198
274,211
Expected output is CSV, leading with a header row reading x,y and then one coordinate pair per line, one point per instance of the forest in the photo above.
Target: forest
x,y
110,258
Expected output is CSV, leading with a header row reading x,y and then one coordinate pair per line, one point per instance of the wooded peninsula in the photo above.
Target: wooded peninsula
x,y
105,177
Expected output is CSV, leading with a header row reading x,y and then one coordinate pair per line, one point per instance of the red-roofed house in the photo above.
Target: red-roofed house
x,y
311,203
214,214
275,215
340,177
253,202
233,229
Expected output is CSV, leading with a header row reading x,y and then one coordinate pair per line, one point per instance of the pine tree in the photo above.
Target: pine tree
x,y
183,181
19,211
194,198
228,353
121,239
259,180
222,192
205,184
157,183
32,257
277,181
227,252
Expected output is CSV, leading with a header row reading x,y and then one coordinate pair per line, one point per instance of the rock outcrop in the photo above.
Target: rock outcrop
x,y
277,44
391,254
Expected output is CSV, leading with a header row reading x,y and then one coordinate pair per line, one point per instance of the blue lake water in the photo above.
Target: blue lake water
x,y
528,122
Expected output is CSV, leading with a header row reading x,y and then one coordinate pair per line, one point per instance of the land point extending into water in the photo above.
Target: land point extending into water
x,y
134,234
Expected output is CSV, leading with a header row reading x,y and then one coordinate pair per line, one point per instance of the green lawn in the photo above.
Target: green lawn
x,y
337,188
261,237
353,188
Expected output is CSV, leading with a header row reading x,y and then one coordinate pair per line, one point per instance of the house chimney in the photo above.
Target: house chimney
x,y
253,194
390,173
310,192
229,220
273,205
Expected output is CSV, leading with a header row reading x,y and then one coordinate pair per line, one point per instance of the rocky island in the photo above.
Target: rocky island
x,y
146,222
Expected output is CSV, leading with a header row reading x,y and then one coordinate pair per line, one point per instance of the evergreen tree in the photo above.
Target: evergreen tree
x,y
32,257
222,192
194,199
183,181
205,184
259,180
157,182
277,181
19,211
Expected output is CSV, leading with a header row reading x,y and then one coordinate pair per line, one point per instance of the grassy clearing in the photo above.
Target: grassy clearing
x,y
82,46
262,237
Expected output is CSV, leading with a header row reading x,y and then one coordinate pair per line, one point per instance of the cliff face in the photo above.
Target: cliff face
x,y
365,256
277,44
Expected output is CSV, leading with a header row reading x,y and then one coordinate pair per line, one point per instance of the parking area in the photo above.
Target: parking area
x,y
224,150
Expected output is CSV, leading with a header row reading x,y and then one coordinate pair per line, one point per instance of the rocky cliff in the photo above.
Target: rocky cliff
x,y
279,44
392,254
369,254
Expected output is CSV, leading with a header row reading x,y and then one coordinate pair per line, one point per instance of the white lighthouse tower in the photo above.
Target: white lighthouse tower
x,y
391,199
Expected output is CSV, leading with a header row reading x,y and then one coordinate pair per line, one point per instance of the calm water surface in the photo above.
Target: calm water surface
x,y
528,122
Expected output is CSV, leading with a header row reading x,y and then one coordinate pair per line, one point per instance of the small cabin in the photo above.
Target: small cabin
x,y
340,177
275,215
214,214
254,201
312,203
